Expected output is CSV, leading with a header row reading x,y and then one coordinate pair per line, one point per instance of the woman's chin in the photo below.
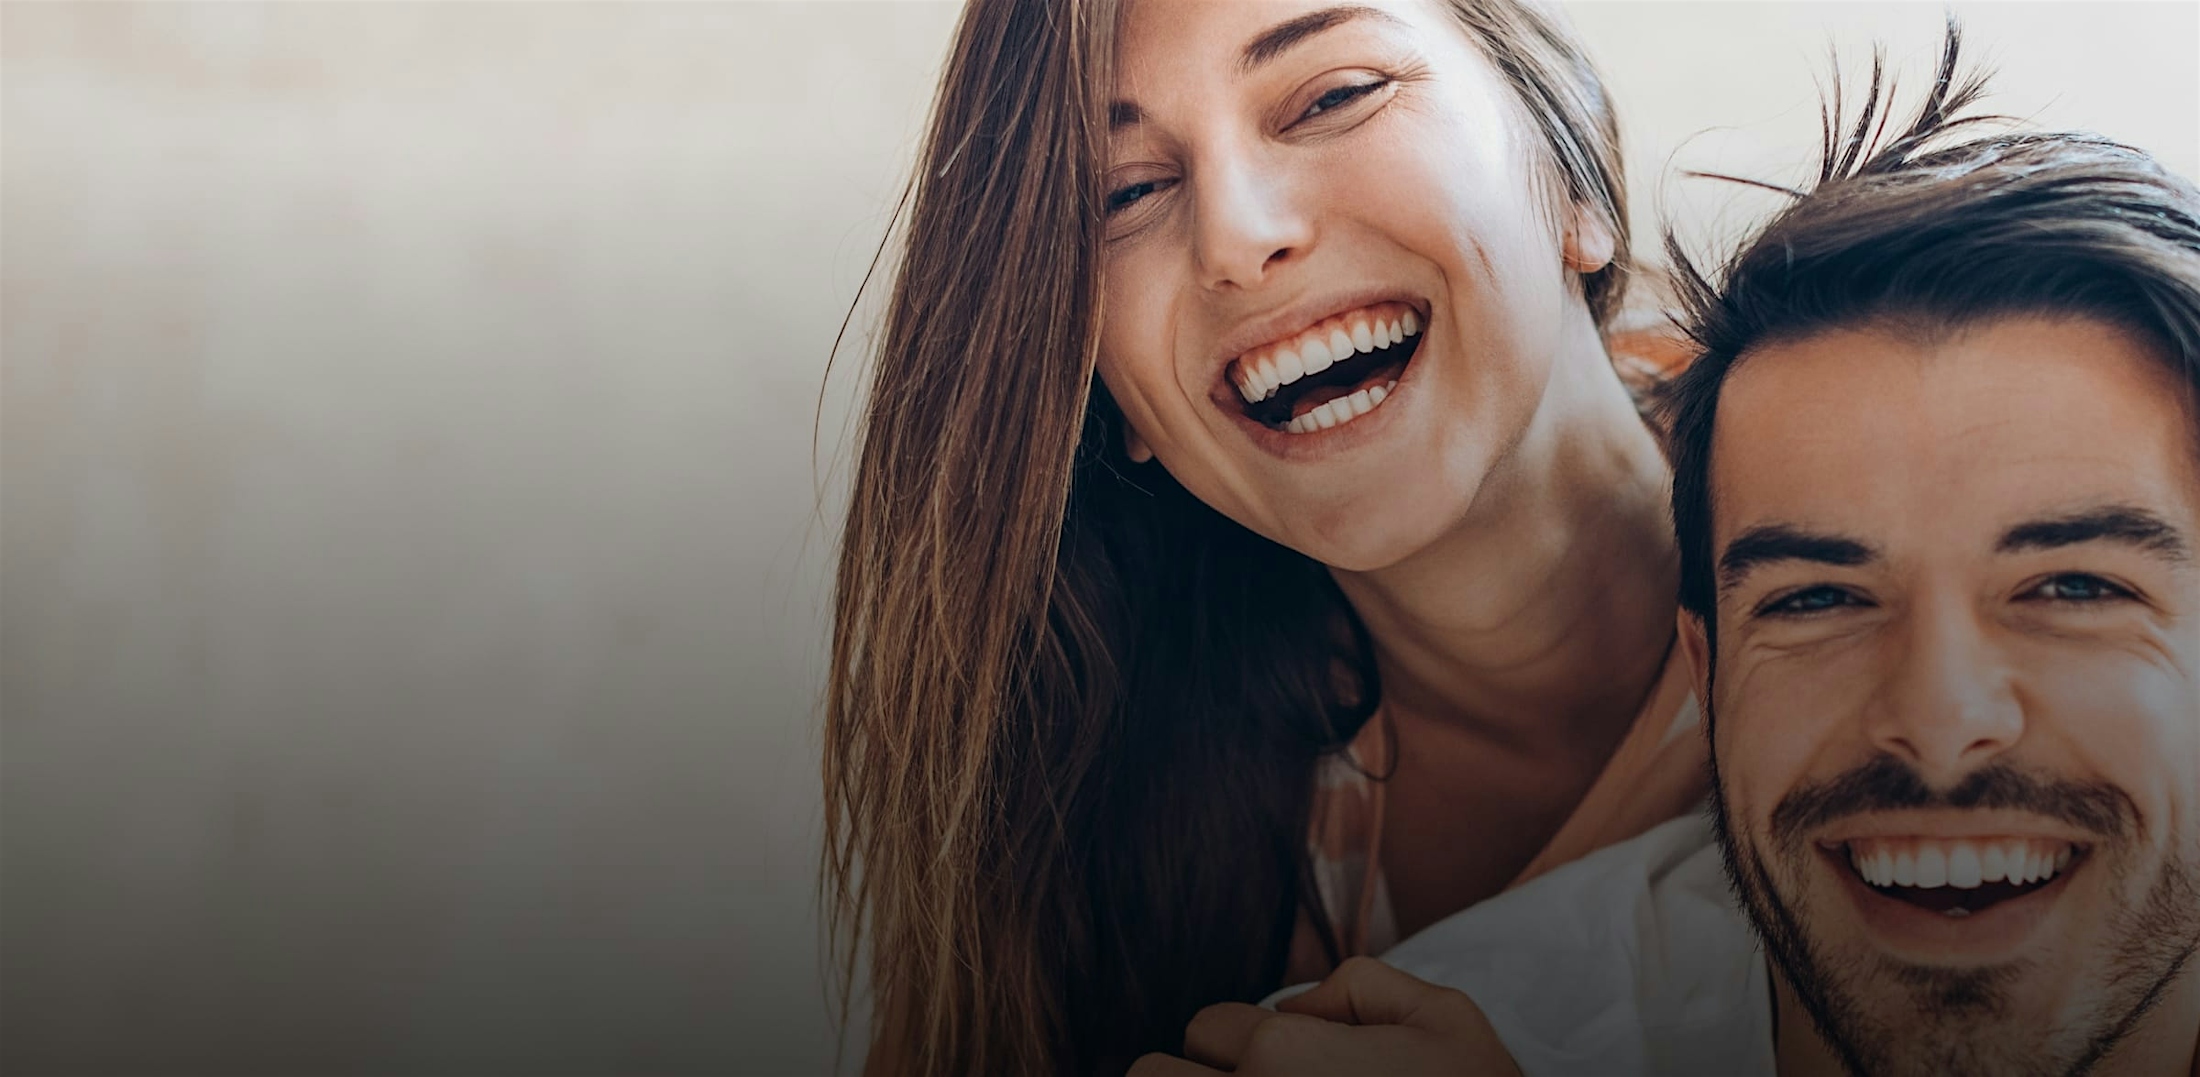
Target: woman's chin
x,y
1366,533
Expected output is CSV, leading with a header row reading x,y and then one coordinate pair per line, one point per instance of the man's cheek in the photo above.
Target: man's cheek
x,y
2137,732
1760,761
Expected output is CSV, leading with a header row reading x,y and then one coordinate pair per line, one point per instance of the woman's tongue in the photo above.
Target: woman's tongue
x,y
1315,396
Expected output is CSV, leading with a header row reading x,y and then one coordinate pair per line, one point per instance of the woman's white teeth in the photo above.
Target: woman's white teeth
x,y
1340,344
1963,864
1316,356
1261,372
1344,409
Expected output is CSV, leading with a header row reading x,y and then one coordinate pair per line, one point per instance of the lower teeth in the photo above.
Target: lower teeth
x,y
1340,411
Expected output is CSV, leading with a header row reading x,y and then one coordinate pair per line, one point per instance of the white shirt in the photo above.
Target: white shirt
x,y
1635,959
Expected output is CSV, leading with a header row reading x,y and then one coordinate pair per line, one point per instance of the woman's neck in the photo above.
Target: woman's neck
x,y
1544,617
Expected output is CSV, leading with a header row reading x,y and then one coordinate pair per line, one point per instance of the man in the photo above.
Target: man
x,y
1937,489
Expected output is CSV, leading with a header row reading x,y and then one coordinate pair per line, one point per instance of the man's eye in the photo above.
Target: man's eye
x,y
1123,198
1810,600
2076,587
1341,96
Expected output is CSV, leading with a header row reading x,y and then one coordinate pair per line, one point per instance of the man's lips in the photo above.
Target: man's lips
x,y
1952,824
1922,864
1945,925
1943,896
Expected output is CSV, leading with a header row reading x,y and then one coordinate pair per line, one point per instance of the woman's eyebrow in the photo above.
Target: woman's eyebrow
x,y
1275,40
1268,45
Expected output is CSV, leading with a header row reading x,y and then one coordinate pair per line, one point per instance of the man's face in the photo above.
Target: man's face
x,y
1956,692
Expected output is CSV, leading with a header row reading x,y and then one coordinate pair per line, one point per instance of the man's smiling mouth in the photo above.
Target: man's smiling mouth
x,y
1957,877
1331,372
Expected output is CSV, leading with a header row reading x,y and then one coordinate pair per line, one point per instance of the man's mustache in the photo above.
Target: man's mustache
x,y
1887,783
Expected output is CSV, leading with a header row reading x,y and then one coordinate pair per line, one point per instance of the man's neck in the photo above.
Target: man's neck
x,y
1549,608
2167,1039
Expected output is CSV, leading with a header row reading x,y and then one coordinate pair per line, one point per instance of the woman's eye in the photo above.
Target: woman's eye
x,y
2076,587
1811,600
1341,96
1123,198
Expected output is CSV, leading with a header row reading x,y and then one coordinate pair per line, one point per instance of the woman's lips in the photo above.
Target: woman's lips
x,y
1260,373
1309,384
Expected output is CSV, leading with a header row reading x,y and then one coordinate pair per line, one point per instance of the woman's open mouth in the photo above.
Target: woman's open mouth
x,y
1332,372
1958,878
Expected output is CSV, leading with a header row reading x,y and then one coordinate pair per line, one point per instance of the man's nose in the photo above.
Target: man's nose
x,y
1949,703
1249,223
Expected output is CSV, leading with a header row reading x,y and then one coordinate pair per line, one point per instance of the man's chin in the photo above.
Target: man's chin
x,y
2033,982
1892,1018
1897,987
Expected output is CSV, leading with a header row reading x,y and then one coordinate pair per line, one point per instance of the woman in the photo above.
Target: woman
x,y
1254,555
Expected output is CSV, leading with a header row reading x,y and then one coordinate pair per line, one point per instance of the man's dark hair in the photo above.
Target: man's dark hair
x,y
1901,235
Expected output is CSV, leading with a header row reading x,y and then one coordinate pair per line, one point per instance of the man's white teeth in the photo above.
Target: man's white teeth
x,y
1964,864
1264,370
1342,410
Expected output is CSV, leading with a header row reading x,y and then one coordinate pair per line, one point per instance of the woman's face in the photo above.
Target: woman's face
x,y
1290,180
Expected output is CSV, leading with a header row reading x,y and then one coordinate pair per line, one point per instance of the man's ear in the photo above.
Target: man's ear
x,y
1697,645
1589,241
1134,446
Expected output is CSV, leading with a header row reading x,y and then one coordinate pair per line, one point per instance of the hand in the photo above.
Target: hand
x,y
1365,1018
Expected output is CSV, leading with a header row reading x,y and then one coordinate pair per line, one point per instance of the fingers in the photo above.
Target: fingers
x,y
1218,1034
1161,1065
1364,991
1367,992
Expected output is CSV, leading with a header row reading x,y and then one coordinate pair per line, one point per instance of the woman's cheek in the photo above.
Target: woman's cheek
x,y
1134,346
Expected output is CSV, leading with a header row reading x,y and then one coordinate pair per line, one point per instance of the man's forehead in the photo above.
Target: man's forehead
x,y
1950,436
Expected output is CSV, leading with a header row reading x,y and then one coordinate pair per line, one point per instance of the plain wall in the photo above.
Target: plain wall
x,y
412,552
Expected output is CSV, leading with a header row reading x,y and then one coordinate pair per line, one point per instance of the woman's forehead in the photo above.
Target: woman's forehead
x,y
1159,40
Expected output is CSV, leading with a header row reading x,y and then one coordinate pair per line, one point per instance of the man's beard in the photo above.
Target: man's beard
x,y
1960,1021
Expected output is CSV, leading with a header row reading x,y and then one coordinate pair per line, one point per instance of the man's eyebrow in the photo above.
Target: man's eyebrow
x,y
1771,543
1273,41
2126,525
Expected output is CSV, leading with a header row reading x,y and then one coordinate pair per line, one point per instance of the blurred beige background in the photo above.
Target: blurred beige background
x,y
411,553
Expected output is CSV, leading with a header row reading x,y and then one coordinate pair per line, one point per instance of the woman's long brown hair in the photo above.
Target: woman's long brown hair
x,y
1073,713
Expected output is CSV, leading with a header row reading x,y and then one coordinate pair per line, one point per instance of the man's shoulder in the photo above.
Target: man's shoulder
x,y
1634,959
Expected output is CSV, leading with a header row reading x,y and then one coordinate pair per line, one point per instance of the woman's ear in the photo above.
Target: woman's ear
x,y
1589,241
1134,446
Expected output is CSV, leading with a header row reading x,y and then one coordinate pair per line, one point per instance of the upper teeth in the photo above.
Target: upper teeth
x,y
1263,370
1961,863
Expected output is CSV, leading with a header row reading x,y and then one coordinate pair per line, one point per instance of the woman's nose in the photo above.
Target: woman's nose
x,y
1248,224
